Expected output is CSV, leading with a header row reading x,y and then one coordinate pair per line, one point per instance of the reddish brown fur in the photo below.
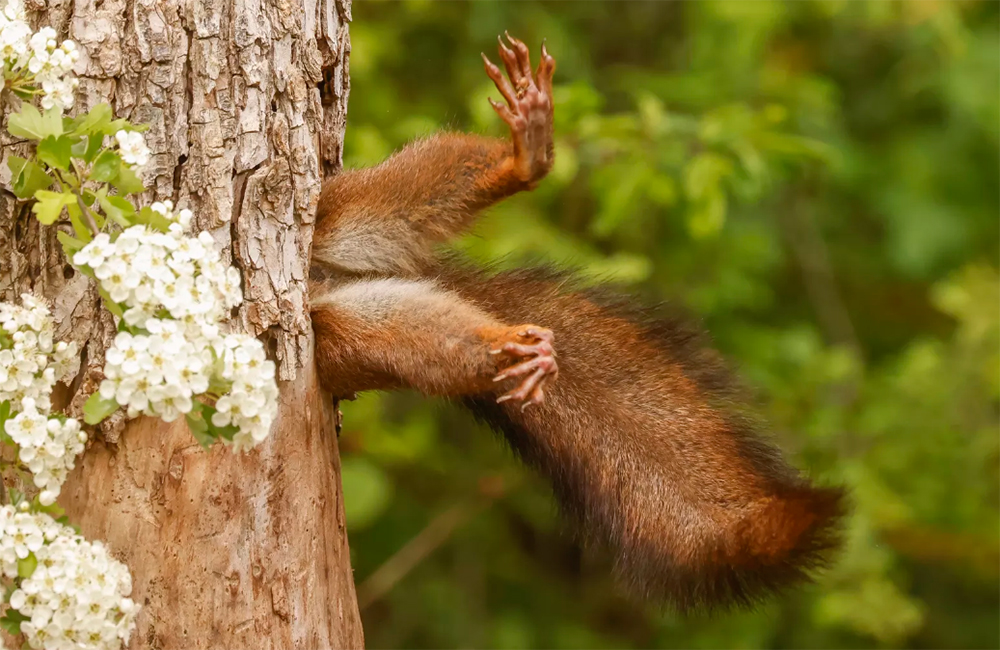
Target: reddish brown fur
x,y
429,191
379,334
646,453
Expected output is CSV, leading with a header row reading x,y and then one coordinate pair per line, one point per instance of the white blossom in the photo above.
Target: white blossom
x,y
158,373
145,270
30,362
94,253
48,447
13,12
77,595
133,149
161,371
14,35
37,57
30,365
51,65
59,92
174,290
252,402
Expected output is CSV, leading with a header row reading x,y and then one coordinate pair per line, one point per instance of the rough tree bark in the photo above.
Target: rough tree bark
x,y
246,102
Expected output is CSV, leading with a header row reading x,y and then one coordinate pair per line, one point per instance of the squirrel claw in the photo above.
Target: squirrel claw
x,y
537,367
528,106
529,391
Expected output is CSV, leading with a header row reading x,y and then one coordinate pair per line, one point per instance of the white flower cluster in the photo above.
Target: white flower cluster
x,y
30,366
147,271
132,148
176,288
14,34
39,55
77,596
48,447
52,66
30,361
252,400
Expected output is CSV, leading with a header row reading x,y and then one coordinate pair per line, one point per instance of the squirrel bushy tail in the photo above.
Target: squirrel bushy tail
x,y
647,454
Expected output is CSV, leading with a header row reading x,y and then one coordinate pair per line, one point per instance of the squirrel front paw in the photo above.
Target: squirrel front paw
x,y
528,112
534,345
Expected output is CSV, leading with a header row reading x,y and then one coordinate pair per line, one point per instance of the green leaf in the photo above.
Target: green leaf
x,y
54,510
122,124
28,177
200,422
50,204
32,125
619,200
106,167
88,146
11,621
26,566
92,122
227,432
202,438
796,146
16,165
199,426
118,209
150,217
704,174
16,497
112,306
705,218
76,219
128,181
97,408
55,152
218,385
70,244
4,416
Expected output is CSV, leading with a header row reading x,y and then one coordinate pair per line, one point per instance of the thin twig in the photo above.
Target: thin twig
x,y
413,553
86,213
79,201
428,540
813,256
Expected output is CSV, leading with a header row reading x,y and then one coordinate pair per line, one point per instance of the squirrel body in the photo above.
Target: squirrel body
x,y
630,415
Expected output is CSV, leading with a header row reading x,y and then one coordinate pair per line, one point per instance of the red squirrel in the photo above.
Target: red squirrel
x,y
626,412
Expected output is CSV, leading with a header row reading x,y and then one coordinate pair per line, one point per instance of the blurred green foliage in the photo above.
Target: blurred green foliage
x,y
816,181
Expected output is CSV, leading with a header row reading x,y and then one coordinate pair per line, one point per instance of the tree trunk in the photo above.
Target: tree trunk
x,y
246,102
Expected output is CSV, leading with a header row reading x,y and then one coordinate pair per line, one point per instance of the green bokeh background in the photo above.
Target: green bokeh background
x,y
817,181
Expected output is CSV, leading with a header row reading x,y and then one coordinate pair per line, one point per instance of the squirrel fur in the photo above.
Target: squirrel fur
x,y
628,413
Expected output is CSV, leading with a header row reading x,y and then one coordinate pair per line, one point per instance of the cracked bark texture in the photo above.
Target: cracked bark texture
x,y
246,102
